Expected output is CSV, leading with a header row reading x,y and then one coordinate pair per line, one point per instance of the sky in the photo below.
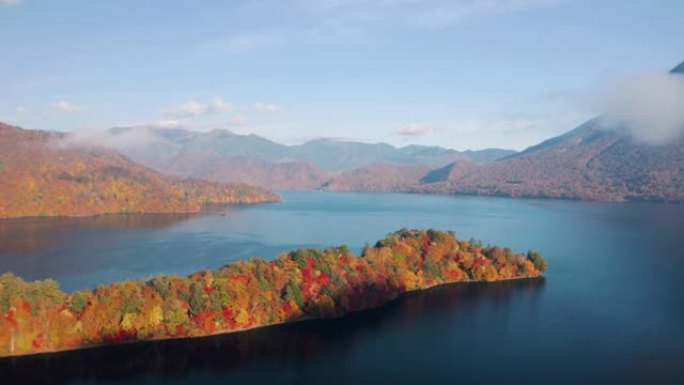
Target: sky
x,y
463,74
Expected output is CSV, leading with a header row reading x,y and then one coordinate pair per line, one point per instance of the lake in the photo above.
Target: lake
x,y
610,309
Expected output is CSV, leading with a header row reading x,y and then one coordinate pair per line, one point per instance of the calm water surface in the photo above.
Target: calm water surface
x,y
610,309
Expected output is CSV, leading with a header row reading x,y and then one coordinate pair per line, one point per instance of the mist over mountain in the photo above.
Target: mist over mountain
x,y
224,156
649,107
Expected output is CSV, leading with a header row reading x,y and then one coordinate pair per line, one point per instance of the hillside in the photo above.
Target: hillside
x,y
277,175
41,175
377,177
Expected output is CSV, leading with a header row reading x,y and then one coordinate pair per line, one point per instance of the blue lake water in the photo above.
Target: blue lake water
x,y
610,309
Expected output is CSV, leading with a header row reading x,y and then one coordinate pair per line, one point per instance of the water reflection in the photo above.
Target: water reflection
x,y
33,233
281,349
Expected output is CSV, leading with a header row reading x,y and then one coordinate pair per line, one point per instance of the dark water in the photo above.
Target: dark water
x,y
610,310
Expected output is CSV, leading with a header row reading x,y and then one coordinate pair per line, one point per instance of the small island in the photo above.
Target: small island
x,y
37,317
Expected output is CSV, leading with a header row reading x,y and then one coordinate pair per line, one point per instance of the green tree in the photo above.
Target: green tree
x,y
219,297
77,302
161,285
197,300
537,260
433,269
292,292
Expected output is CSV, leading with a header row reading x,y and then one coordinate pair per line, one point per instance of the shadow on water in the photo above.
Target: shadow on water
x,y
31,233
265,353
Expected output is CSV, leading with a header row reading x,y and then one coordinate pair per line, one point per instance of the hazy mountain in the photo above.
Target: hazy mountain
x,y
43,174
280,175
487,155
376,177
224,156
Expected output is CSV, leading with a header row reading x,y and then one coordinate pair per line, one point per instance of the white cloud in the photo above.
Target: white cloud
x,y
68,107
414,129
21,110
265,107
650,107
11,2
194,108
125,138
122,137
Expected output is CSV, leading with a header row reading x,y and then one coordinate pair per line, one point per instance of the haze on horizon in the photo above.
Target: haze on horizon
x,y
463,74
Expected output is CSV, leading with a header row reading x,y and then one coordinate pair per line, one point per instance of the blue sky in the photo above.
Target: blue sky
x,y
464,74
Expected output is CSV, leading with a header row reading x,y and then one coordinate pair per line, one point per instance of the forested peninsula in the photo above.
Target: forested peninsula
x,y
37,317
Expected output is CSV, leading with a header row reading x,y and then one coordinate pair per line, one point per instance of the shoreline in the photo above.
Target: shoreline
x,y
189,212
273,324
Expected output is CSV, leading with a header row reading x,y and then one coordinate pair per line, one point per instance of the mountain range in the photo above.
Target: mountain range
x,y
223,156
598,160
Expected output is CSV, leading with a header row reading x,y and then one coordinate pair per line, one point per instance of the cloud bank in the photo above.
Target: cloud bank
x,y
121,138
649,107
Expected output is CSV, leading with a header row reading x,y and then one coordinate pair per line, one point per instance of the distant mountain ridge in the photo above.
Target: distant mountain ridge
x,y
327,154
223,156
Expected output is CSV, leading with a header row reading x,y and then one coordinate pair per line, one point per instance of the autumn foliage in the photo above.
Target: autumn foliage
x,y
42,175
308,283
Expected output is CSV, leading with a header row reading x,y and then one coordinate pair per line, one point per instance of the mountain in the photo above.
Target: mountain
x,y
448,172
590,162
376,177
43,174
679,69
280,175
223,156
487,155
595,161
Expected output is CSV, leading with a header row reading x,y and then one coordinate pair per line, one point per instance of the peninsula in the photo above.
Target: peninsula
x,y
37,317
